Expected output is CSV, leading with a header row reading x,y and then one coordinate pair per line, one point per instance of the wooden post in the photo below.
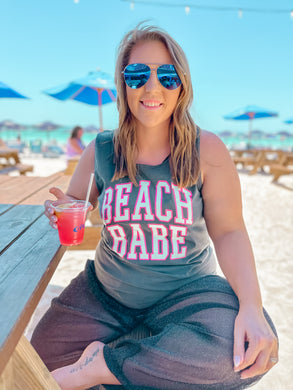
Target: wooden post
x,y
26,371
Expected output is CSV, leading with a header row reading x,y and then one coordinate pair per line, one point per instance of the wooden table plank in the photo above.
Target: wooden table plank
x,y
32,189
5,178
15,221
42,194
26,268
15,191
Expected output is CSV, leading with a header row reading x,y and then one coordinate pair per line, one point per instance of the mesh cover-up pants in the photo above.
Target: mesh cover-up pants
x,y
191,346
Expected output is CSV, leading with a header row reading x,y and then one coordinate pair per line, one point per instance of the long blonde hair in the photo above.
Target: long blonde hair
x,y
184,158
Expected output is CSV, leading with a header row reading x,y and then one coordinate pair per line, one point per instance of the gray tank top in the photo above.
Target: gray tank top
x,y
154,238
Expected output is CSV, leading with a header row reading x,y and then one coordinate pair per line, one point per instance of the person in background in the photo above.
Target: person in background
x,y
165,188
75,146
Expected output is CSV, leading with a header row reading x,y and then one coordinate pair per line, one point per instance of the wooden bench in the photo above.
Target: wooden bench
x,y
284,167
21,168
278,170
257,159
71,165
246,158
10,161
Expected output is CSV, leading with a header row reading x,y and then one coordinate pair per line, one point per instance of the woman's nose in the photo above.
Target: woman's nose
x,y
153,81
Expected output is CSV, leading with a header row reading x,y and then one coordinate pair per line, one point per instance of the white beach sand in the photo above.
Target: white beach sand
x,y
268,212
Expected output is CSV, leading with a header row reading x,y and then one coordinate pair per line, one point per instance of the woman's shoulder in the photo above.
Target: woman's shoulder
x,y
104,147
105,136
211,146
214,154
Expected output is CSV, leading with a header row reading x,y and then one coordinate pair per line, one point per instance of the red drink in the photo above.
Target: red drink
x,y
71,219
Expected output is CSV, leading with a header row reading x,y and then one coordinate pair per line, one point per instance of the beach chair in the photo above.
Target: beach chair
x,y
35,146
52,151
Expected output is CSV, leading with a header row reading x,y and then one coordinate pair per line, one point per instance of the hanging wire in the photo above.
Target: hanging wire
x,y
187,8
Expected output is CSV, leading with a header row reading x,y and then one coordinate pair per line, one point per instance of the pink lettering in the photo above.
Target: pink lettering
x,y
106,207
138,241
162,185
122,200
119,239
181,204
178,234
143,202
160,242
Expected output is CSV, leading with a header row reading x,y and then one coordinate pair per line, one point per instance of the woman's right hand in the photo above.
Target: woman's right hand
x,y
49,212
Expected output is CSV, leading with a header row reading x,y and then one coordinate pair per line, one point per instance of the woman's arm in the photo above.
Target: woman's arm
x,y
80,179
223,215
78,185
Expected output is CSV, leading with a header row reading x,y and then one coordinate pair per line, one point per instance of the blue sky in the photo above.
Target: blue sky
x,y
234,61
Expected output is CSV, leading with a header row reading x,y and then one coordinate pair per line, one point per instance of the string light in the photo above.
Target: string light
x,y
132,6
76,1
212,8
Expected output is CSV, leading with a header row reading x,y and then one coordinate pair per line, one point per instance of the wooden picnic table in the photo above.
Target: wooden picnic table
x,y
10,161
29,254
283,167
256,159
9,153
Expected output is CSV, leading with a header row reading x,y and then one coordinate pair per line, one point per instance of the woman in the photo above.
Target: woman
x,y
163,188
75,146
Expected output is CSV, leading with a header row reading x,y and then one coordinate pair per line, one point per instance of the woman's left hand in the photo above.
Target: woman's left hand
x,y
261,355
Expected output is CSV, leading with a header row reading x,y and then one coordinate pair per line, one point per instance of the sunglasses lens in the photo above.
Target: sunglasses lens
x,y
168,77
136,75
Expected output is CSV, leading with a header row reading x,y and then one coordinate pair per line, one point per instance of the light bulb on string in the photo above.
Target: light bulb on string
x,y
187,10
240,13
76,1
132,6
291,14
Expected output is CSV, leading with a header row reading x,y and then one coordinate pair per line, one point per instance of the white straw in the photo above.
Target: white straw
x,y
89,190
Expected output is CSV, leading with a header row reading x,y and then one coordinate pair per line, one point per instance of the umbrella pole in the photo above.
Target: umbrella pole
x,y
250,129
101,118
100,107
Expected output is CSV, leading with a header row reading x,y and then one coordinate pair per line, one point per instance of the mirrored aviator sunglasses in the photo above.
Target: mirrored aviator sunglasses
x,y
137,75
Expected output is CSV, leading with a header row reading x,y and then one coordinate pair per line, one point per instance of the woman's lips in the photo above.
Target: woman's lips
x,y
151,104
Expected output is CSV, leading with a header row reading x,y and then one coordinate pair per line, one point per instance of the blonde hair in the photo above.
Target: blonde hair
x,y
184,158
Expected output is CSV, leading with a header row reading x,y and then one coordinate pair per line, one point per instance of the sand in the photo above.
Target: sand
x,y
268,212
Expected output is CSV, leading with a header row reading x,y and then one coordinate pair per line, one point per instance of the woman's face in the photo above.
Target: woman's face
x,y
152,105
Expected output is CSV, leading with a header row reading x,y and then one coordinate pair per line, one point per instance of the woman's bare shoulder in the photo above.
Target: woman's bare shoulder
x,y
215,159
212,148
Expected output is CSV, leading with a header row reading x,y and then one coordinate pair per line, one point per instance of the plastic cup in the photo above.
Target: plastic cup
x,y
71,219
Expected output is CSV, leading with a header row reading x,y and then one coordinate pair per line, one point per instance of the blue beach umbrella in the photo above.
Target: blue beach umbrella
x,y
8,92
289,121
248,113
97,88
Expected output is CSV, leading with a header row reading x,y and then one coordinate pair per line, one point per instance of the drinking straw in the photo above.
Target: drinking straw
x,y
89,190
